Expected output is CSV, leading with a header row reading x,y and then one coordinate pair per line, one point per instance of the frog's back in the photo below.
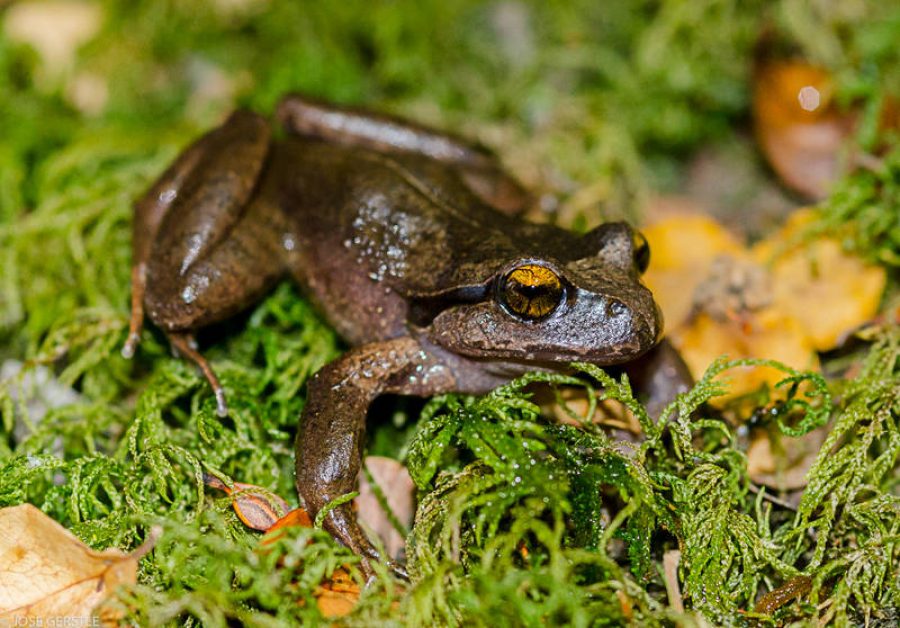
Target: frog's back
x,y
374,230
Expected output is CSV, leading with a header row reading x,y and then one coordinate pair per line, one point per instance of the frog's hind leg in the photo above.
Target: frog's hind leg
x,y
238,272
478,167
246,135
148,214
204,246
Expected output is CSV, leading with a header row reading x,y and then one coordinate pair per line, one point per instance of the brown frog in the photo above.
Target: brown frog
x,y
407,240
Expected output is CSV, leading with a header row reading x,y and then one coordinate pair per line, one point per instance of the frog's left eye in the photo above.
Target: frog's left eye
x,y
531,291
640,250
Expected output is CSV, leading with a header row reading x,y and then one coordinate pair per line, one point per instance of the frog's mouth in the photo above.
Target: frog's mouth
x,y
591,328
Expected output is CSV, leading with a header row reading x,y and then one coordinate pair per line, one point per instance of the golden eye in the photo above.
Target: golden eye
x,y
531,291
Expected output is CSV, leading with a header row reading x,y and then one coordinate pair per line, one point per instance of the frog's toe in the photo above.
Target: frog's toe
x,y
186,346
370,573
130,345
398,570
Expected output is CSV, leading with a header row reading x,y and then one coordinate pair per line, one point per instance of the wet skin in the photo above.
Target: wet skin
x,y
407,240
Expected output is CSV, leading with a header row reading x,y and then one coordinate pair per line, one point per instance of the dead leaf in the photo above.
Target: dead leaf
x,y
338,595
782,465
55,28
683,247
799,128
335,596
785,299
670,571
769,335
399,491
798,586
818,283
257,507
48,576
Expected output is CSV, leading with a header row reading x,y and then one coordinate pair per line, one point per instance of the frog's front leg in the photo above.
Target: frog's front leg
x,y
332,430
660,375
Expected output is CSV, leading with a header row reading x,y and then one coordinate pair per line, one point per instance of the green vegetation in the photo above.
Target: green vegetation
x,y
522,519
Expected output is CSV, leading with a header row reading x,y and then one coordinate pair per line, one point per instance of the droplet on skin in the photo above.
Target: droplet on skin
x,y
188,294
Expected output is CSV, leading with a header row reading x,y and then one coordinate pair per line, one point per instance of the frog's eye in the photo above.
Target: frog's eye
x,y
640,251
531,291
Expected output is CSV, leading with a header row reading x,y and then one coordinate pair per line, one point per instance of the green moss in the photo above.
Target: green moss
x,y
522,520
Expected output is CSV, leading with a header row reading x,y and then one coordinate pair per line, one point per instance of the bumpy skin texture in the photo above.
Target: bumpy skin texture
x,y
405,238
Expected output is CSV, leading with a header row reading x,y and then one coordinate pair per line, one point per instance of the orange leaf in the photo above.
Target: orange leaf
x,y
257,507
831,291
799,129
683,248
337,596
295,518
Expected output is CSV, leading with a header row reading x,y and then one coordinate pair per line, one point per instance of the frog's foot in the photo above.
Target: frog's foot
x,y
342,525
186,345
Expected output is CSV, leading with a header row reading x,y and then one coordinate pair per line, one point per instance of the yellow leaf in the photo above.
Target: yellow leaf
x,y
770,335
831,291
683,248
49,577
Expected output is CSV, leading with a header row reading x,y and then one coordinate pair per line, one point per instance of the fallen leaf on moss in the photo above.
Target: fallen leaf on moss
x,y
785,299
54,28
257,507
335,596
799,128
831,292
683,247
298,517
768,334
338,595
393,480
782,468
48,576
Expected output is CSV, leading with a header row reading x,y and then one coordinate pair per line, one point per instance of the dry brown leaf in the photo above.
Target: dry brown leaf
x,y
295,518
48,576
393,479
782,468
337,595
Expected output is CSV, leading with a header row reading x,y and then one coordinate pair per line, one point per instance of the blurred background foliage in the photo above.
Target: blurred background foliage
x,y
594,104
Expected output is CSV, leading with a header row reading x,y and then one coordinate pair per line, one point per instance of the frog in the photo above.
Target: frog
x,y
411,243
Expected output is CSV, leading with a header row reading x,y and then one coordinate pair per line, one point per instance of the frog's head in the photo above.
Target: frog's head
x,y
587,304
